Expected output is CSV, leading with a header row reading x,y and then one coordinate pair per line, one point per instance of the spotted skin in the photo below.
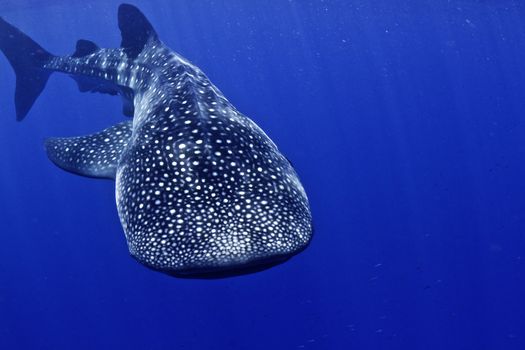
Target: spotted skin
x,y
200,187
203,187
95,155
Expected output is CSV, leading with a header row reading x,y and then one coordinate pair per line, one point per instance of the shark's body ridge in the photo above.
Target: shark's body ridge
x,y
200,188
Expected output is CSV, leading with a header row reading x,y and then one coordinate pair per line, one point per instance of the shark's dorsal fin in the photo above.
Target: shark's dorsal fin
x,y
95,155
84,48
136,30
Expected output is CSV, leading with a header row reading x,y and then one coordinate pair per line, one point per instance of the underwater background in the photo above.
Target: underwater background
x,y
405,121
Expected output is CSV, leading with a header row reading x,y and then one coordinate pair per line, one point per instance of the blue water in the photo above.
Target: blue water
x,y
405,121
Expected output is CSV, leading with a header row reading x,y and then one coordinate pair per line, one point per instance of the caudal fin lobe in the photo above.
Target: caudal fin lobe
x,y
27,59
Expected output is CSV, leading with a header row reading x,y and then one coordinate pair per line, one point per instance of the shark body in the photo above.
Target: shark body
x,y
201,190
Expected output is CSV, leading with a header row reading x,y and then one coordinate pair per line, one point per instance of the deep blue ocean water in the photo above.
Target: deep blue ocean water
x,y
405,121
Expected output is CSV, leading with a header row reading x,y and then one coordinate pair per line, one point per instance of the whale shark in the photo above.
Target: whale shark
x,y
201,190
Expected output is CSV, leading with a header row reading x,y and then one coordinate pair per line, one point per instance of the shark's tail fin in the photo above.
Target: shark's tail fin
x,y
27,59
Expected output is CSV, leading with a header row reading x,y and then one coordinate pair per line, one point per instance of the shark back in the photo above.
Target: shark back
x,y
202,188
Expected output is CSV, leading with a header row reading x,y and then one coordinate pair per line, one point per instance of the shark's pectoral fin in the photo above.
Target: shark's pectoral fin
x,y
95,155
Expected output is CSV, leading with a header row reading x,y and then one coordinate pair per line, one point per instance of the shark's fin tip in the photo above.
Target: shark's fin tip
x,y
136,30
84,48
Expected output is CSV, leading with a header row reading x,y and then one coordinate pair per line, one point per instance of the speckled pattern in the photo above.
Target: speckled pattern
x,y
95,155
